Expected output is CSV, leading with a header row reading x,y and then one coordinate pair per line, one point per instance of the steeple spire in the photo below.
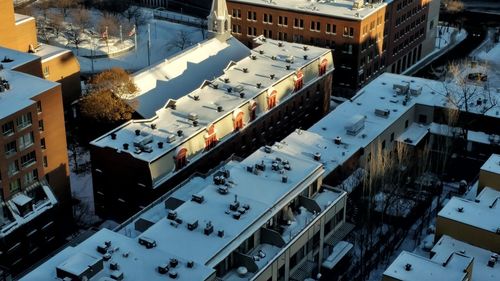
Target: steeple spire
x,y
219,20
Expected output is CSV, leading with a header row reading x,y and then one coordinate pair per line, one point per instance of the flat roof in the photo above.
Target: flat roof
x,y
492,165
47,52
247,188
23,88
19,19
481,271
183,73
329,8
135,261
482,213
421,268
168,121
11,59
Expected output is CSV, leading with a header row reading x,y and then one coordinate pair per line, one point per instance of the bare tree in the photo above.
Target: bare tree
x,y
181,41
202,26
466,89
81,17
65,5
43,7
110,23
57,23
131,13
25,10
74,35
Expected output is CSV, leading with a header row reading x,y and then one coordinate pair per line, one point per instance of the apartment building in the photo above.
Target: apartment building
x,y
473,222
220,227
412,267
257,100
18,32
489,174
34,176
356,32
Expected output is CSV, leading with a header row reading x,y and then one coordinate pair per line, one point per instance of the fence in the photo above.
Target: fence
x,y
182,19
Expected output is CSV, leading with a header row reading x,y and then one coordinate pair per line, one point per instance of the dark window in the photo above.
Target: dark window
x,y
422,118
8,128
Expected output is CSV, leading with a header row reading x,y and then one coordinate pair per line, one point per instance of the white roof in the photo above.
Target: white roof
x,y
475,213
183,73
18,58
78,263
338,8
21,199
47,52
168,121
23,88
424,269
481,271
139,264
492,165
22,18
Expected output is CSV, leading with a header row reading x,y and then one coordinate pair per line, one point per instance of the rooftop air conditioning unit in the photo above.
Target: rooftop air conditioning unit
x,y
197,198
193,116
400,89
163,269
355,125
382,112
147,148
173,262
193,225
172,215
170,138
209,228
147,242
143,139
416,92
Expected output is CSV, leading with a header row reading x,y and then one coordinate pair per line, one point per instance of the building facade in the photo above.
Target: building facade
x,y
34,175
18,32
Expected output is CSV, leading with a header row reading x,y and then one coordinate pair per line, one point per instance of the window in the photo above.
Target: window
x,y
252,31
298,38
13,168
268,33
8,128
298,81
282,36
268,18
282,20
28,159
422,118
383,144
315,26
253,109
298,23
15,185
237,28
237,13
39,106
45,162
24,120
42,143
392,136
10,148
26,140
238,120
346,31
334,28
40,125
46,71
251,16
181,159
30,177
210,138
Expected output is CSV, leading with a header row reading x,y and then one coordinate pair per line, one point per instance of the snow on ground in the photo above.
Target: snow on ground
x,y
81,187
162,35
489,52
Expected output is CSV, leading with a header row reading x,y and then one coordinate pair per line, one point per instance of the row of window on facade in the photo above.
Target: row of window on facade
x,y
21,122
400,47
404,16
403,31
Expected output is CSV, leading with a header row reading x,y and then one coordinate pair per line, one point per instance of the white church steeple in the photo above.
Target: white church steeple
x,y
219,20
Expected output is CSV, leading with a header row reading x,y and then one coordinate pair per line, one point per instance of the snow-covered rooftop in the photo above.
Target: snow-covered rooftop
x,y
492,165
19,19
244,186
183,73
23,88
329,8
12,59
480,271
483,213
47,52
412,267
135,261
271,58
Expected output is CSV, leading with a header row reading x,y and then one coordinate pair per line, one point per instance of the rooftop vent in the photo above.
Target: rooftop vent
x,y
305,57
170,138
153,126
209,228
147,242
287,67
137,132
272,76
219,108
358,4
193,116
196,97
195,123
172,215
163,269
197,198
220,233
223,189
242,95
173,262
237,215
113,265
116,275
416,92
460,209
113,136
337,140
268,149
280,44
245,70
259,85
125,146
226,80
408,267
7,60
180,133
261,52
261,166
173,274
284,179
306,48
160,145
235,205
253,57
273,57
192,225
317,156
382,112
400,89
190,264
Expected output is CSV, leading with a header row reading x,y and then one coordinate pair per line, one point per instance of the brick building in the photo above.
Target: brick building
x,y
18,32
366,38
